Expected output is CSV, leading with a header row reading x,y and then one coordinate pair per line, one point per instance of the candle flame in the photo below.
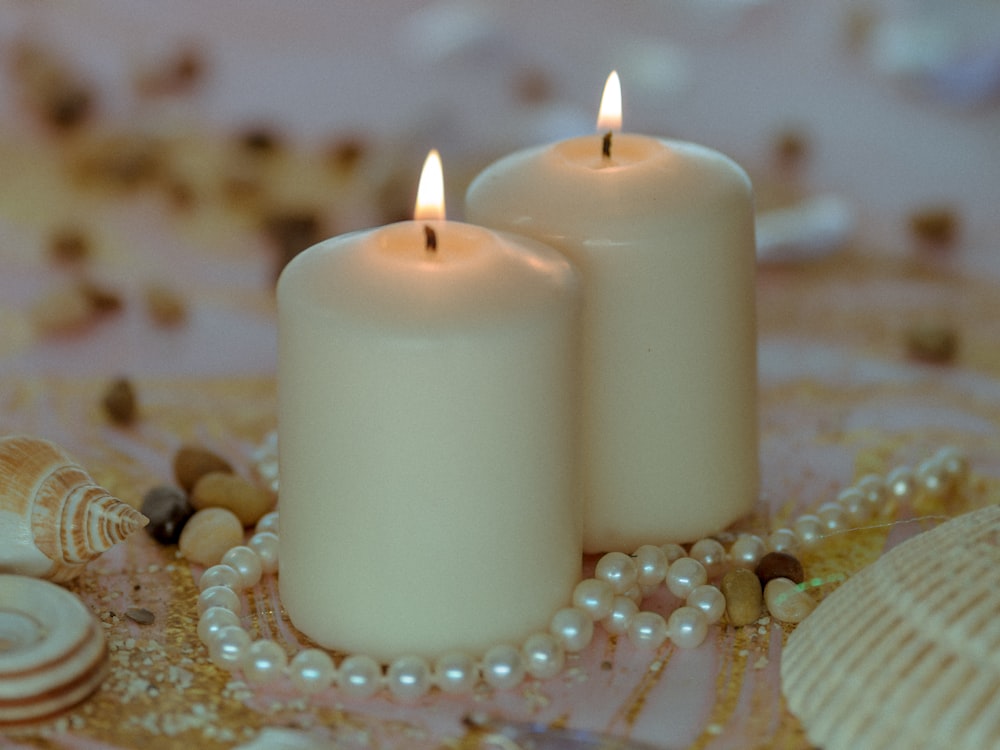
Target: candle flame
x,y
610,115
430,192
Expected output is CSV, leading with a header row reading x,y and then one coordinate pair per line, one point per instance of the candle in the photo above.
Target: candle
x,y
663,234
426,412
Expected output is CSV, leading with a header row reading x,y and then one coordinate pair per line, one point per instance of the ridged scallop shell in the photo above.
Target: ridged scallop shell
x,y
52,649
53,517
906,654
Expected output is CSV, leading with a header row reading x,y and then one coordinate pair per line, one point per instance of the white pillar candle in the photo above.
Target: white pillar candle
x,y
663,234
426,418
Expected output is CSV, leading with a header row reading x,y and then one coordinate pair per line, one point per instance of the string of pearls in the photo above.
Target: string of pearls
x,y
612,597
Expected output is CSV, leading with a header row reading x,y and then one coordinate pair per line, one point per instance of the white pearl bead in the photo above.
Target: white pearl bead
x,y
618,620
901,483
594,597
219,596
359,676
263,662
709,600
783,540
544,657
855,506
456,672
710,553
265,544
684,576
245,561
647,631
618,569
312,671
687,627
572,628
747,551
651,566
931,477
228,647
954,463
409,678
212,620
874,488
219,575
503,667
809,529
267,522
673,552
832,516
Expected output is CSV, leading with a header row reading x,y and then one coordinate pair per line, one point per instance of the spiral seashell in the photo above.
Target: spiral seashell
x,y
53,517
52,649
906,654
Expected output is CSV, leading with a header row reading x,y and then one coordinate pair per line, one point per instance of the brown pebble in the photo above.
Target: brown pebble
x,y
779,565
260,140
177,74
226,490
345,154
209,534
102,300
69,245
935,225
120,403
192,462
742,591
931,342
786,601
791,148
165,307
140,615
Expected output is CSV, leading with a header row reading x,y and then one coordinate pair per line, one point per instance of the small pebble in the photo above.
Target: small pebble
x,y
932,342
192,462
779,565
167,509
209,534
742,591
101,299
227,490
260,141
791,147
935,225
69,245
345,154
786,601
140,615
166,308
120,403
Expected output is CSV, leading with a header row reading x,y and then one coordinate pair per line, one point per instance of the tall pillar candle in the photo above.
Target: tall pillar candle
x,y
663,234
426,414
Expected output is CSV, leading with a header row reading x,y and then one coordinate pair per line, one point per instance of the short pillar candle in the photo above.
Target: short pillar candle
x,y
663,234
426,453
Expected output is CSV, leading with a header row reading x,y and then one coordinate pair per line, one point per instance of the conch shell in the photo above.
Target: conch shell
x,y
53,517
906,654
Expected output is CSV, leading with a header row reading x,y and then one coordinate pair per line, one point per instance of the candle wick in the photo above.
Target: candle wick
x,y
606,145
431,238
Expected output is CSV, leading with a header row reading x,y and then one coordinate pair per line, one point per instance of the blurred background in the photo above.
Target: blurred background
x,y
271,126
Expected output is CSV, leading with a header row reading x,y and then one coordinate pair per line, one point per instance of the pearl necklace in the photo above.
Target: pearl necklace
x,y
612,597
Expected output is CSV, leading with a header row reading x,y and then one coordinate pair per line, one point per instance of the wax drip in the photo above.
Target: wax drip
x,y
606,145
431,237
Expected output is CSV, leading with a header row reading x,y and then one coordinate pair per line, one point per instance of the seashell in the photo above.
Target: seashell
x,y
52,649
906,654
53,517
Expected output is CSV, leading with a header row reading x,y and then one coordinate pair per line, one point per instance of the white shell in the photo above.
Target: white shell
x,y
53,517
52,649
906,654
